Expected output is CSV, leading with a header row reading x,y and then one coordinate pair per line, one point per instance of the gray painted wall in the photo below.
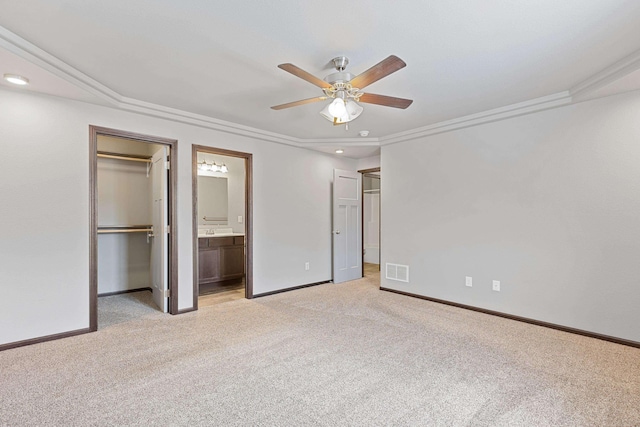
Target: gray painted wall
x,y
548,203
44,267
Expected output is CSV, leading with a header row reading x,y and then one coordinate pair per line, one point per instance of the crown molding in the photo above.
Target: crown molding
x,y
610,74
340,142
496,114
32,53
41,58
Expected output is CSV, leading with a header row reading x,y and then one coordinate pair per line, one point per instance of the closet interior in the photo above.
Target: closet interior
x,y
371,220
131,191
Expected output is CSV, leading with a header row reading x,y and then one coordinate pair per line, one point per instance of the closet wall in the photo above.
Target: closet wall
x,y
124,199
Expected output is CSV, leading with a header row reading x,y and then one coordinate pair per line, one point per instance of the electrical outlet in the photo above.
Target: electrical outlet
x,y
496,285
468,281
306,266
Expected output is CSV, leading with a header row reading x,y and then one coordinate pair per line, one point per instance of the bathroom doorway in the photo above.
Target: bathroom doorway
x,y
222,225
133,248
370,221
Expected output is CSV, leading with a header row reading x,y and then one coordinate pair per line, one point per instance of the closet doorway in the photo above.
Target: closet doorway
x,y
370,221
222,225
133,245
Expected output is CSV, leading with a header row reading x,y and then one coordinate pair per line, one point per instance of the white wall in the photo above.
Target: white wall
x,y
546,203
368,163
371,209
44,188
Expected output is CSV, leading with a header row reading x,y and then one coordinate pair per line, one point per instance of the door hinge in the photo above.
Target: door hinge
x,y
166,293
167,165
167,229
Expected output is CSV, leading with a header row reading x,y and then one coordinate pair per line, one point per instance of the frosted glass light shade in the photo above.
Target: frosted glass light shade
x,y
351,111
337,108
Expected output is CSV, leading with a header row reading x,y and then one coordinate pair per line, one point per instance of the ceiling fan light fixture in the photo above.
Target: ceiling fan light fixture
x,y
340,111
338,108
334,119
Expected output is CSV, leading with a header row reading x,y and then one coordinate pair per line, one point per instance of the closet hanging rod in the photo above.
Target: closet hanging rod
x,y
117,229
106,155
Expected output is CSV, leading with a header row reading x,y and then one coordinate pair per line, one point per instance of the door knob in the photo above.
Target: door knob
x,y
336,232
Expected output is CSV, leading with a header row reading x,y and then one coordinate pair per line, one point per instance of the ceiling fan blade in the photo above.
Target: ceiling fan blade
x,y
296,103
387,101
378,71
299,72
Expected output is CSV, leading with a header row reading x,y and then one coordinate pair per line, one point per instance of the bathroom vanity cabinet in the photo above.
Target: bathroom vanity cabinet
x,y
220,259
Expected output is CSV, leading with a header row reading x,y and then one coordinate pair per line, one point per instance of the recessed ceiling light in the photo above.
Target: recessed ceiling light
x,y
339,151
16,80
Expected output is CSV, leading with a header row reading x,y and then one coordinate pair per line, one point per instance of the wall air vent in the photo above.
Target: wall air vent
x,y
397,272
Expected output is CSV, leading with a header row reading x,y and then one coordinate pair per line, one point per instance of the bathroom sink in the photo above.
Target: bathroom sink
x,y
218,232
222,231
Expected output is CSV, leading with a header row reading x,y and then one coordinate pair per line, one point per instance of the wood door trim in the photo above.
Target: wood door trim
x,y
44,339
94,131
371,170
248,214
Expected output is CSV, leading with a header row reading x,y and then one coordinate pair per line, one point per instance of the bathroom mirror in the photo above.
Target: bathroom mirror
x,y
213,200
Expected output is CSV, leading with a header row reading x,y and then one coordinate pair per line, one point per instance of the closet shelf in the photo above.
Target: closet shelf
x,y
125,229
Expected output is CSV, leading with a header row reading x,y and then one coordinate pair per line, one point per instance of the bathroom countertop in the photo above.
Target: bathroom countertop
x,y
207,236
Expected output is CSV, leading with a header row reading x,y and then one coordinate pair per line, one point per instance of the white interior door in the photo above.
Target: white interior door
x,y
160,239
347,232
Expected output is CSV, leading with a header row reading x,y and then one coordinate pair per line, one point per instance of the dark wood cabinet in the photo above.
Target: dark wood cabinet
x,y
220,259
209,265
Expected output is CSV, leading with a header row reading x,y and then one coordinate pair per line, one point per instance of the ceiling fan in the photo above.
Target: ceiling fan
x,y
346,89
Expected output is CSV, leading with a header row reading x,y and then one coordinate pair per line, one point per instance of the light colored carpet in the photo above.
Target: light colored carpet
x,y
329,355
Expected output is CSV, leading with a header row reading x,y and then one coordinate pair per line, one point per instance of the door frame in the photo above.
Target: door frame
x,y
94,132
364,172
248,214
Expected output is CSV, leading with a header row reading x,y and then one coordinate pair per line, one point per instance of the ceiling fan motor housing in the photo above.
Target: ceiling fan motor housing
x,y
339,77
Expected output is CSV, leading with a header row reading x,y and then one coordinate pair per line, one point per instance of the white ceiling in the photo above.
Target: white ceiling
x,y
216,61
